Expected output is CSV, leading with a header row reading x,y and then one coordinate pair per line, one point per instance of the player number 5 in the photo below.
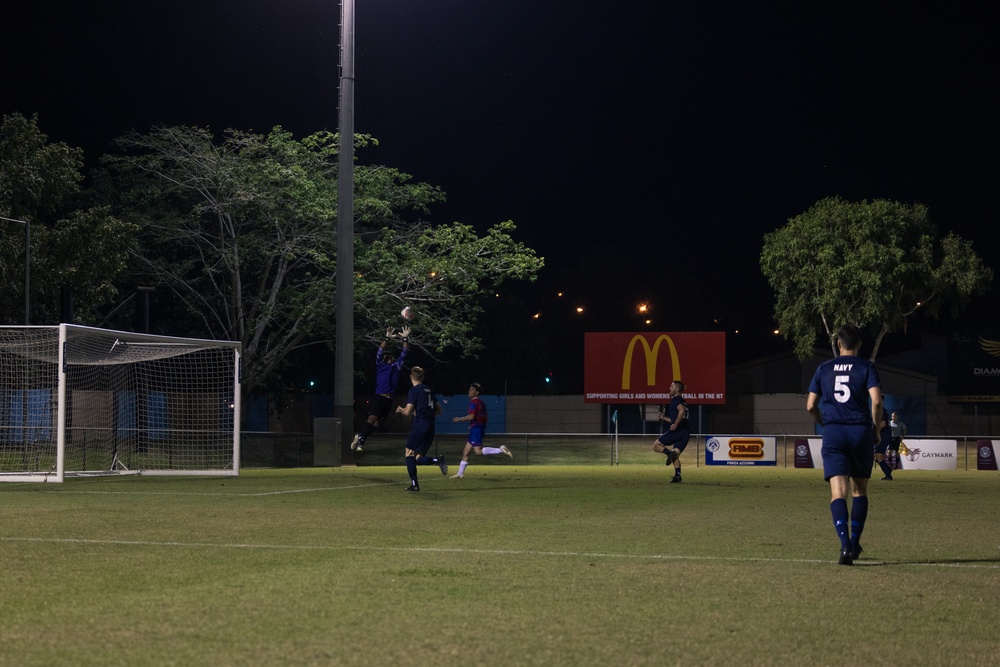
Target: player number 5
x,y
841,391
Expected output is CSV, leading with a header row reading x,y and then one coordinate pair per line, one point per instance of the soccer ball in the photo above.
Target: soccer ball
x,y
408,314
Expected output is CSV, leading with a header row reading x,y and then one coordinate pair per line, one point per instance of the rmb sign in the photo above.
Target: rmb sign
x,y
639,367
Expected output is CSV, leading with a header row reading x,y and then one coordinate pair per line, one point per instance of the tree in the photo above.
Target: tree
x,y
83,248
872,264
242,231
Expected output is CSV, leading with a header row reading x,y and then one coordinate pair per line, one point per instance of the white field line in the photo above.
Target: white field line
x,y
489,552
224,495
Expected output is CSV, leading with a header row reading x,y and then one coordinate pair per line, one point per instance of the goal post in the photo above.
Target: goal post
x,y
78,400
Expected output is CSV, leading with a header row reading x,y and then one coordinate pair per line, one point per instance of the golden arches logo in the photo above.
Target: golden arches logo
x,y
651,354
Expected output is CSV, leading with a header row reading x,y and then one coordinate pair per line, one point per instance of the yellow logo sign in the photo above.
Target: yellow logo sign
x,y
746,448
651,355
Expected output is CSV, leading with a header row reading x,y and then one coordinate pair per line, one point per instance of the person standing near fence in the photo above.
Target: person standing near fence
x,y
845,398
673,441
423,406
885,435
477,417
898,429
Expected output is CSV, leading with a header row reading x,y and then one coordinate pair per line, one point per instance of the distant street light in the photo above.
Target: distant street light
x,y
27,267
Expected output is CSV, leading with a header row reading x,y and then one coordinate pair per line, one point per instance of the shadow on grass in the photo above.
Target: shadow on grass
x,y
956,562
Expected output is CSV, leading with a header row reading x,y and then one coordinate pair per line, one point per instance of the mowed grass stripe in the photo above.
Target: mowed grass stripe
x,y
511,565
492,552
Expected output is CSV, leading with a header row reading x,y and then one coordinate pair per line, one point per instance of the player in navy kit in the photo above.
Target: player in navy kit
x,y
423,406
677,435
477,429
845,398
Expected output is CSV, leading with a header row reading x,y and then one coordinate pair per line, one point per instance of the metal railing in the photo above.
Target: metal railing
x,y
283,450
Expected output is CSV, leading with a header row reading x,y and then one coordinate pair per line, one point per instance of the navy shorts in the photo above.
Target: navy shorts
x,y
848,449
678,439
420,440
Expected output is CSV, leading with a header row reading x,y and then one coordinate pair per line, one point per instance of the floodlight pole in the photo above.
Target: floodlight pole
x,y
27,267
344,360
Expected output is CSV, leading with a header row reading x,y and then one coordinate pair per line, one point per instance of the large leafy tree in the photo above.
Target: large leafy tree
x,y
73,245
242,231
872,264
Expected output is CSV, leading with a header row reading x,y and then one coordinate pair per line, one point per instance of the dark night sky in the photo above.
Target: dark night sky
x,y
643,147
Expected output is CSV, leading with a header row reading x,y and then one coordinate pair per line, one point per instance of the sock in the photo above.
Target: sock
x,y
426,461
462,466
366,431
492,450
859,512
886,468
838,508
677,469
411,467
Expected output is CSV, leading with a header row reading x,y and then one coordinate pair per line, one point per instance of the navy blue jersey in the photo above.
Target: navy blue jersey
x,y
885,435
842,385
675,403
424,403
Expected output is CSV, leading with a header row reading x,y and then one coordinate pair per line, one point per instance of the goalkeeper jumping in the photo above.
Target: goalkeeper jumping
x,y
387,369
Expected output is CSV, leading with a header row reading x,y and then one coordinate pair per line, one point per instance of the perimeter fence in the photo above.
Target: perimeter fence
x,y
295,450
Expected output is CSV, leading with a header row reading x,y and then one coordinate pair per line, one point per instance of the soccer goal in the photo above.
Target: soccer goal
x,y
78,400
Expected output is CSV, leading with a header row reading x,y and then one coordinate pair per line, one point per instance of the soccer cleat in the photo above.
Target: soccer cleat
x,y
457,476
856,554
413,487
360,448
887,478
672,456
846,557
443,465
503,449
675,479
356,442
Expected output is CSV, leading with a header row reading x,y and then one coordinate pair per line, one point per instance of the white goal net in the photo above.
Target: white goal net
x,y
83,401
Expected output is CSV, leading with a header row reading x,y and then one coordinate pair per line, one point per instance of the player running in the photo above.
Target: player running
x,y
675,439
477,429
423,406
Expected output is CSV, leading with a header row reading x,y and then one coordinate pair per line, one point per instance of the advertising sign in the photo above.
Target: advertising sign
x,y
922,454
740,451
639,367
986,454
974,367
929,455
808,453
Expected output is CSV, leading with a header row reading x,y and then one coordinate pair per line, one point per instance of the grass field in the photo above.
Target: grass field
x,y
540,565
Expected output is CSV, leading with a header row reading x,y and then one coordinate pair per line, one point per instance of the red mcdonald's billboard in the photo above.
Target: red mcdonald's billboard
x,y
639,367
